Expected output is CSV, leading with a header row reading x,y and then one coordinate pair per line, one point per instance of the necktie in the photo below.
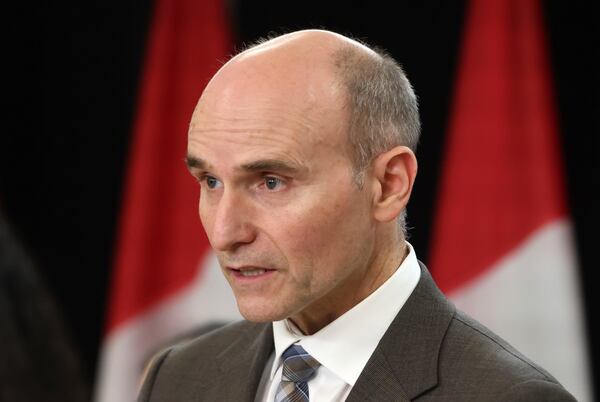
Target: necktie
x,y
298,368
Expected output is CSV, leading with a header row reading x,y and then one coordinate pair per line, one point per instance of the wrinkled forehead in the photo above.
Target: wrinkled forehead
x,y
284,91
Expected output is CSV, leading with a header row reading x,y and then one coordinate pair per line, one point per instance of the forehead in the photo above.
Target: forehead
x,y
248,112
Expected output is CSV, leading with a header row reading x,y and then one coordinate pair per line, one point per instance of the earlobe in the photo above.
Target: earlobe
x,y
395,172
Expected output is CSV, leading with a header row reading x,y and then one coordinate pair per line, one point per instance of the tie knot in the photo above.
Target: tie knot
x,y
298,365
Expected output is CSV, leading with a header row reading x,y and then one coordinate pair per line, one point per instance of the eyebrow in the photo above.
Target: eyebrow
x,y
275,165
195,163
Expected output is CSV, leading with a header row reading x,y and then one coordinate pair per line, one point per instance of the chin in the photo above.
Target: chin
x,y
258,313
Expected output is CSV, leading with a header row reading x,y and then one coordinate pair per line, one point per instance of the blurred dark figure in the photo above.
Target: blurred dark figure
x,y
37,363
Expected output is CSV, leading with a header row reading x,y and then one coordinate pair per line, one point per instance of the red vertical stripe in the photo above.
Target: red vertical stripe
x,y
161,241
502,176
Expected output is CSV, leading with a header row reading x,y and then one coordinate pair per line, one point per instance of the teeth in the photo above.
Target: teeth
x,y
253,272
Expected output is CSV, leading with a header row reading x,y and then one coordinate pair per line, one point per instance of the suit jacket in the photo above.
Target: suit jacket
x,y
430,352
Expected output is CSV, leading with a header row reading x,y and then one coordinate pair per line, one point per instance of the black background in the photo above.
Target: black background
x,y
70,81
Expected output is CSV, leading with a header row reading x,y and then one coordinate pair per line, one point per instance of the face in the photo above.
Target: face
x,y
291,229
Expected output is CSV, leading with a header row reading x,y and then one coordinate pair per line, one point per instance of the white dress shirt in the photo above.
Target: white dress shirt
x,y
344,346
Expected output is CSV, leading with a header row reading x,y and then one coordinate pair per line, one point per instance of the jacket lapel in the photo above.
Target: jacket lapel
x,y
243,364
404,364
377,382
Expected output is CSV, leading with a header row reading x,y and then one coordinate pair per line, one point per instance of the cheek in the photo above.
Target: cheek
x,y
206,212
322,236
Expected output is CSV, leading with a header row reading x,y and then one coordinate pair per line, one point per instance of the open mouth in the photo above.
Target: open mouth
x,y
248,272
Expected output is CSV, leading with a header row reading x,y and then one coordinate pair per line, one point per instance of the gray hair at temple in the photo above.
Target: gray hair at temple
x,y
382,104
383,108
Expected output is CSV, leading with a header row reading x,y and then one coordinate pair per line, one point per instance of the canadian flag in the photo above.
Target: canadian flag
x,y
503,245
166,283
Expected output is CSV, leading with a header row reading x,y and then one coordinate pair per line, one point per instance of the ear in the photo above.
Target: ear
x,y
394,174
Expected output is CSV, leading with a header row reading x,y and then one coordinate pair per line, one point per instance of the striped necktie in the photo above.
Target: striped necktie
x,y
298,368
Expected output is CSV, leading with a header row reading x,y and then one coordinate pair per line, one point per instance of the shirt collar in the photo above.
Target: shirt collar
x,y
346,344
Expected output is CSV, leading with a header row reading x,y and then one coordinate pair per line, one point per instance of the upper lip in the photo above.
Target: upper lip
x,y
248,268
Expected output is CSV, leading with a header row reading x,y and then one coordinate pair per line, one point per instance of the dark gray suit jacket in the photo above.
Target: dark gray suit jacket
x,y
431,352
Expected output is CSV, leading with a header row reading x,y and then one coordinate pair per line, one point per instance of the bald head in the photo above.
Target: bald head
x,y
304,50
314,45
381,105
296,66
301,67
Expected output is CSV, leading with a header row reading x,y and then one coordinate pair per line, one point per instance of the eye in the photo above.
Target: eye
x,y
273,183
212,182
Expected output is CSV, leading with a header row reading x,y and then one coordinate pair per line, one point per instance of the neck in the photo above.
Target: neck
x,y
352,290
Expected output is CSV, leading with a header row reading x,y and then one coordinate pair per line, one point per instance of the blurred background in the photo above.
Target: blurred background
x,y
73,73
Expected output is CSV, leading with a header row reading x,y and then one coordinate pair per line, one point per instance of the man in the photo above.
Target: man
x,y
304,149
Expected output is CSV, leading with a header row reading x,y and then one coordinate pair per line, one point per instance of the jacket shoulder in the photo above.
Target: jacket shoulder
x,y
472,340
179,369
218,340
475,361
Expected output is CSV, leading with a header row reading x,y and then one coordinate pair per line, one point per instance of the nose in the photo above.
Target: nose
x,y
231,223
